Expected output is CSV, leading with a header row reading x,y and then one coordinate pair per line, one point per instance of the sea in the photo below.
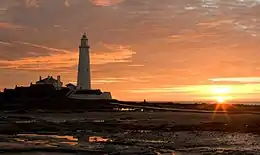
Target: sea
x,y
124,133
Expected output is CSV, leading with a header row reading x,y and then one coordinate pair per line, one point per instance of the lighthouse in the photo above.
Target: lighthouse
x,y
84,90
84,79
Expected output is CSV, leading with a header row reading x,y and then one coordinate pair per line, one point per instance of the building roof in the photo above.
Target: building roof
x,y
8,90
22,89
70,84
45,86
49,79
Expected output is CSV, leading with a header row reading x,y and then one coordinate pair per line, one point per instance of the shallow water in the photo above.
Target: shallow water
x,y
110,133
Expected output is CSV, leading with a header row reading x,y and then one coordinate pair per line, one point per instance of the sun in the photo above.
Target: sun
x,y
221,94
221,106
221,100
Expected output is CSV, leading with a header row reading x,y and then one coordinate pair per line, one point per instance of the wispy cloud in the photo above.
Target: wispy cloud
x,y
135,65
120,80
32,3
5,43
170,89
108,80
119,53
66,3
192,36
105,2
5,25
204,89
44,47
237,79
67,60
203,92
215,23
3,10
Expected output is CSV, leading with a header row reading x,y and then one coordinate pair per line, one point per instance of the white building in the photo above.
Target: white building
x,y
84,90
83,81
50,80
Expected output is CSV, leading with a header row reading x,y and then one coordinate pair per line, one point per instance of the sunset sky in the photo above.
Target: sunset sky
x,y
140,49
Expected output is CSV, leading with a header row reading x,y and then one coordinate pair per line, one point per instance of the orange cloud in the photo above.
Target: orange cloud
x,y
44,47
66,60
240,91
188,36
105,2
215,23
3,10
5,43
4,25
237,79
31,3
66,3
120,80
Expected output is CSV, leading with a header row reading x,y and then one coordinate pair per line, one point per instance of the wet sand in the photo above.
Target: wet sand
x,y
134,132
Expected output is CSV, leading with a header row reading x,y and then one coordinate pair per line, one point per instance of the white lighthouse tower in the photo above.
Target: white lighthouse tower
x,y
84,90
84,79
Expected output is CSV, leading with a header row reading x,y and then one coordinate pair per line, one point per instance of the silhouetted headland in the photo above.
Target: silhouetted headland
x,y
47,97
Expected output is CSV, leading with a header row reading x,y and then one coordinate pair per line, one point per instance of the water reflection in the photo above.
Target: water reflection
x,y
71,138
46,140
147,141
93,139
52,140
26,121
126,109
183,142
99,121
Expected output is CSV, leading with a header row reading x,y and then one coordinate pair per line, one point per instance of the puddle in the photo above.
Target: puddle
x,y
46,140
26,122
140,131
93,139
147,141
182,142
99,121
125,109
71,138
